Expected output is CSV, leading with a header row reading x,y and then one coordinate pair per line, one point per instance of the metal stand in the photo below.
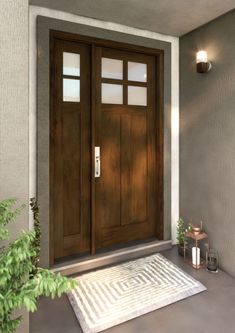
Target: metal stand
x,y
196,238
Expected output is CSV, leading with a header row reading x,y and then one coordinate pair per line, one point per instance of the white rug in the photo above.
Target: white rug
x,y
111,296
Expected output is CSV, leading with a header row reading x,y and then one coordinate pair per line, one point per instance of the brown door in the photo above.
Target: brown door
x,y
125,192
106,98
70,161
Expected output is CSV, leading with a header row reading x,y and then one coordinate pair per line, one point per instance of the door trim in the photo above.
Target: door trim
x,y
159,55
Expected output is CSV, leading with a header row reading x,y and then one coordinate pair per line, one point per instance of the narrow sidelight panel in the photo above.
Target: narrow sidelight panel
x,y
70,161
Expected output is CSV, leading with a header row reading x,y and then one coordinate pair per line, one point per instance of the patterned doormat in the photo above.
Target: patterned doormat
x,y
111,296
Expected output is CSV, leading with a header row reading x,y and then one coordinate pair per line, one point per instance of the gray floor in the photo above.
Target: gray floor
x,y
212,311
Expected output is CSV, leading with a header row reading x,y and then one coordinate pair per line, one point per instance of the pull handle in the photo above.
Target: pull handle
x,y
97,162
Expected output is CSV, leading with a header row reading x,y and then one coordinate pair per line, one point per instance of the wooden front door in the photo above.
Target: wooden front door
x,y
105,145
126,133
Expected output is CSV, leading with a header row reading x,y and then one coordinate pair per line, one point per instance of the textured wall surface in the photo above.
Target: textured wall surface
x,y
207,135
14,108
44,25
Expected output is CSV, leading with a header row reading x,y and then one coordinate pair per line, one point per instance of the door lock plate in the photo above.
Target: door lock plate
x,y
97,162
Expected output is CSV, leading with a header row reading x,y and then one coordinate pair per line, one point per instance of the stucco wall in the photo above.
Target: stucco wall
x,y
207,135
14,175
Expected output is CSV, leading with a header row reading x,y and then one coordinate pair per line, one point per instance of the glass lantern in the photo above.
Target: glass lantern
x,y
212,261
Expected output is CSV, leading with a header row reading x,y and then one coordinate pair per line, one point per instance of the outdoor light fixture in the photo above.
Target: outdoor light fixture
x,y
203,65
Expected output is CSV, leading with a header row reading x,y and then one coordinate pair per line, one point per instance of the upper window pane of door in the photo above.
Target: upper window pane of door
x,y
71,90
112,68
71,64
137,95
137,72
112,93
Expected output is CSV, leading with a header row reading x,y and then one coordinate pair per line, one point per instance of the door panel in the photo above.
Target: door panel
x,y
124,207
110,169
134,168
70,148
71,143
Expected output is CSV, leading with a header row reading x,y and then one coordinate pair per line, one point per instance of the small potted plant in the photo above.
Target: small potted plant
x,y
181,235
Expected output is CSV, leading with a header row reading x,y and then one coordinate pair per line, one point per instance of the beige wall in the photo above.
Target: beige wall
x,y
14,108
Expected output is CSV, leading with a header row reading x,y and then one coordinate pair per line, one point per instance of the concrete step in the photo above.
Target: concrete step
x,y
109,258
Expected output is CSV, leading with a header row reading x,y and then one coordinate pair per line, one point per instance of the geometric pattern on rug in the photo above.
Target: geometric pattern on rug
x,y
110,296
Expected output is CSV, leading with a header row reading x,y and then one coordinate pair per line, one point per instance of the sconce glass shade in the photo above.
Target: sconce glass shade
x,y
201,56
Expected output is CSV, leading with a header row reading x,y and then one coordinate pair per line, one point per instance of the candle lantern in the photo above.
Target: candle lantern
x,y
212,261
197,235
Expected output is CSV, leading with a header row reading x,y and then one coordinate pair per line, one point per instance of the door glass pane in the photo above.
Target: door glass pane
x,y
71,64
137,95
137,72
112,93
71,90
112,68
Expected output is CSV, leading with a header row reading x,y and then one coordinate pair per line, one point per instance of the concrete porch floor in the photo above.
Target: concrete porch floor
x,y
212,311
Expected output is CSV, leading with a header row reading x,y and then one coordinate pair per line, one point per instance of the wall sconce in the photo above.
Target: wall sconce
x,y
203,65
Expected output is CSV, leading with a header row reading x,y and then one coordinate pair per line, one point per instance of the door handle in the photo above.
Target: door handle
x,y
97,162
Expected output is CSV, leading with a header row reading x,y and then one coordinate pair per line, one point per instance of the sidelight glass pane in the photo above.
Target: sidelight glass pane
x,y
137,95
137,72
112,93
71,64
112,68
71,90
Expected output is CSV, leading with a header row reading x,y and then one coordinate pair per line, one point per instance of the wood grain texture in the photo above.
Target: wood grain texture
x,y
70,156
124,201
126,192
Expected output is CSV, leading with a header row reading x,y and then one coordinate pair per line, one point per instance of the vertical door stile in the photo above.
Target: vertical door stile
x,y
93,143
96,78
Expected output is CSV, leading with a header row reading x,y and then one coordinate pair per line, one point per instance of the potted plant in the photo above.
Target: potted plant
x,y
181,234
21,280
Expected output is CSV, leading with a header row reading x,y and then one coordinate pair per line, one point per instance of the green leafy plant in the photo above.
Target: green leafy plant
x,y
21,280
36,244
181,229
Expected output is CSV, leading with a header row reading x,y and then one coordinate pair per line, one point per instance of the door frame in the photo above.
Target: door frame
x,y
159,126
